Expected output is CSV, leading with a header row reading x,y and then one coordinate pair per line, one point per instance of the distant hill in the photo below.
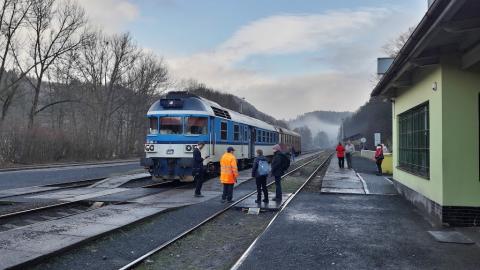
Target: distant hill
x,y
320,122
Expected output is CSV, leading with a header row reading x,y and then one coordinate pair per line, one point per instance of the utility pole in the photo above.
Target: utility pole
x,y
241,104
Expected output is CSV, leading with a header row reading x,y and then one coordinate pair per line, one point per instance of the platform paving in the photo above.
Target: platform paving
x,y
337,180
380,230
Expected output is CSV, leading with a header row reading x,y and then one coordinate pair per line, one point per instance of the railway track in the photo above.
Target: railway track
x,y
57,210
164,245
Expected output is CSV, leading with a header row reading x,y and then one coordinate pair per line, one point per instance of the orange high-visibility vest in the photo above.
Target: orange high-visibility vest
x,y
228,169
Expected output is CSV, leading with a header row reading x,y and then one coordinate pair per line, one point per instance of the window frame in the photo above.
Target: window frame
x,y
182,121
185,123
236,132
223,131
414,140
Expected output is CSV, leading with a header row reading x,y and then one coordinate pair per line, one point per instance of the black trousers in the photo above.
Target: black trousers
x,y
199,178
261,182
278,187
348,156
379,166
227,192
341,162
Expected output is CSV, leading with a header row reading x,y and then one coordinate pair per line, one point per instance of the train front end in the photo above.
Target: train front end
x,y
176,125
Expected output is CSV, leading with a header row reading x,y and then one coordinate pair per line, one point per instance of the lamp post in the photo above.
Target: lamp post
x,y
241,104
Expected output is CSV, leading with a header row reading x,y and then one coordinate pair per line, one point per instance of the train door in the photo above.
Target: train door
x,y
213,139
251,143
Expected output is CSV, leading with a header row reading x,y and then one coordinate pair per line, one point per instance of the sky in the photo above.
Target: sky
x,y
285,57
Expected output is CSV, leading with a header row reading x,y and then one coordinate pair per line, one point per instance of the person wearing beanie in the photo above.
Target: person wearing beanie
x,y
280,163
228,174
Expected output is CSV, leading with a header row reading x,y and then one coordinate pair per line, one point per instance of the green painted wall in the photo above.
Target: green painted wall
x,y
454,133
460,134
422,92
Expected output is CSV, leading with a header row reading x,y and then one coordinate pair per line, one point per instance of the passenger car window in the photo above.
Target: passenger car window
x,y
171,125
223,130
236,132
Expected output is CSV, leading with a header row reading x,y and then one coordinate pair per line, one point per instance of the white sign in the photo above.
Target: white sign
x,y
377,139
363,140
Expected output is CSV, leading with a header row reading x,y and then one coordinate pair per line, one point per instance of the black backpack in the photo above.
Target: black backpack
x,y
286,162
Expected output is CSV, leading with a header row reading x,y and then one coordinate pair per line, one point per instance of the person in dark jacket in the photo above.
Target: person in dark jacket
x,y
279,166
198,171
261,180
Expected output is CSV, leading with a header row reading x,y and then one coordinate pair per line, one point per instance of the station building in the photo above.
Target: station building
x,y
434,87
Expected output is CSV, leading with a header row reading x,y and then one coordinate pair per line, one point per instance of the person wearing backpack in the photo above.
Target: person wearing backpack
x,y
261,170
280,163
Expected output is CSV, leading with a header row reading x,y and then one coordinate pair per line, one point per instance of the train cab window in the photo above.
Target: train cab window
x,y
171,125
196,125
153,125
223,130
236,132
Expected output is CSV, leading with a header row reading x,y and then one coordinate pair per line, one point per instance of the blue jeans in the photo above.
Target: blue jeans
x,y
278,187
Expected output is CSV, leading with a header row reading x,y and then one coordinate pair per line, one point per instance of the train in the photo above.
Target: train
x,y
180,120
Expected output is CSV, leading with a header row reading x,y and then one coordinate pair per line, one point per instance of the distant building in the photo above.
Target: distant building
x,y
434,86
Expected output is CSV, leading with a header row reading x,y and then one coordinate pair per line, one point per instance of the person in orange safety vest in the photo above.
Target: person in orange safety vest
x,y
228,174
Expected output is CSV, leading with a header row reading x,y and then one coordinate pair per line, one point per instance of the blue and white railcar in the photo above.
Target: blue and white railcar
x,y
180,121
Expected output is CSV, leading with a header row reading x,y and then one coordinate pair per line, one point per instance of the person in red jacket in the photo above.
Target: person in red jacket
x,y
379,158
341,155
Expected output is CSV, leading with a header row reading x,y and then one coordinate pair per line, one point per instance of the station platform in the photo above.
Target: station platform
x,y
369,230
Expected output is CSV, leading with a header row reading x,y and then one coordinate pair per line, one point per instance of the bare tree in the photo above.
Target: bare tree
x,y
56,30
12,16
393,47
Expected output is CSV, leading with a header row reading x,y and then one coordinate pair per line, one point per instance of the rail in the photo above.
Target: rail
x,y
218,213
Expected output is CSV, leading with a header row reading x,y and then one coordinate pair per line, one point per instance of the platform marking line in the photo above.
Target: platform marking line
x,y
365,187
390,181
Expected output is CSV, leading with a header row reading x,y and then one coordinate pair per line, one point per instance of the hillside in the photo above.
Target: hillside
x,y
233,103
323,127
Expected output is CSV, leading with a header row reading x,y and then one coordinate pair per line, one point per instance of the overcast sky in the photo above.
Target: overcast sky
x,y
285,57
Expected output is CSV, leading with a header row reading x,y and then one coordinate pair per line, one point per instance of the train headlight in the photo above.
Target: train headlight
x,y
188,148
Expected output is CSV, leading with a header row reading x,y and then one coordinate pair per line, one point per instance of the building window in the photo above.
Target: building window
x,y
236,132
414,140
223,131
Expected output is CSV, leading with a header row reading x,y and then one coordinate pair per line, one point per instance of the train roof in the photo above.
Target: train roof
x,y
186,103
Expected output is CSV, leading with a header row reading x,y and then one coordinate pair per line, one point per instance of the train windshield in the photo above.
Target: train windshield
x,y
153,125
196,125
170,125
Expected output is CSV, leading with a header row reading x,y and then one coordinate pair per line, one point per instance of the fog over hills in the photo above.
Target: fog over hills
x,y
318,121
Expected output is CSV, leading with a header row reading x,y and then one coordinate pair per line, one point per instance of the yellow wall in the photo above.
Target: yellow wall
x,y
419,93
460,135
